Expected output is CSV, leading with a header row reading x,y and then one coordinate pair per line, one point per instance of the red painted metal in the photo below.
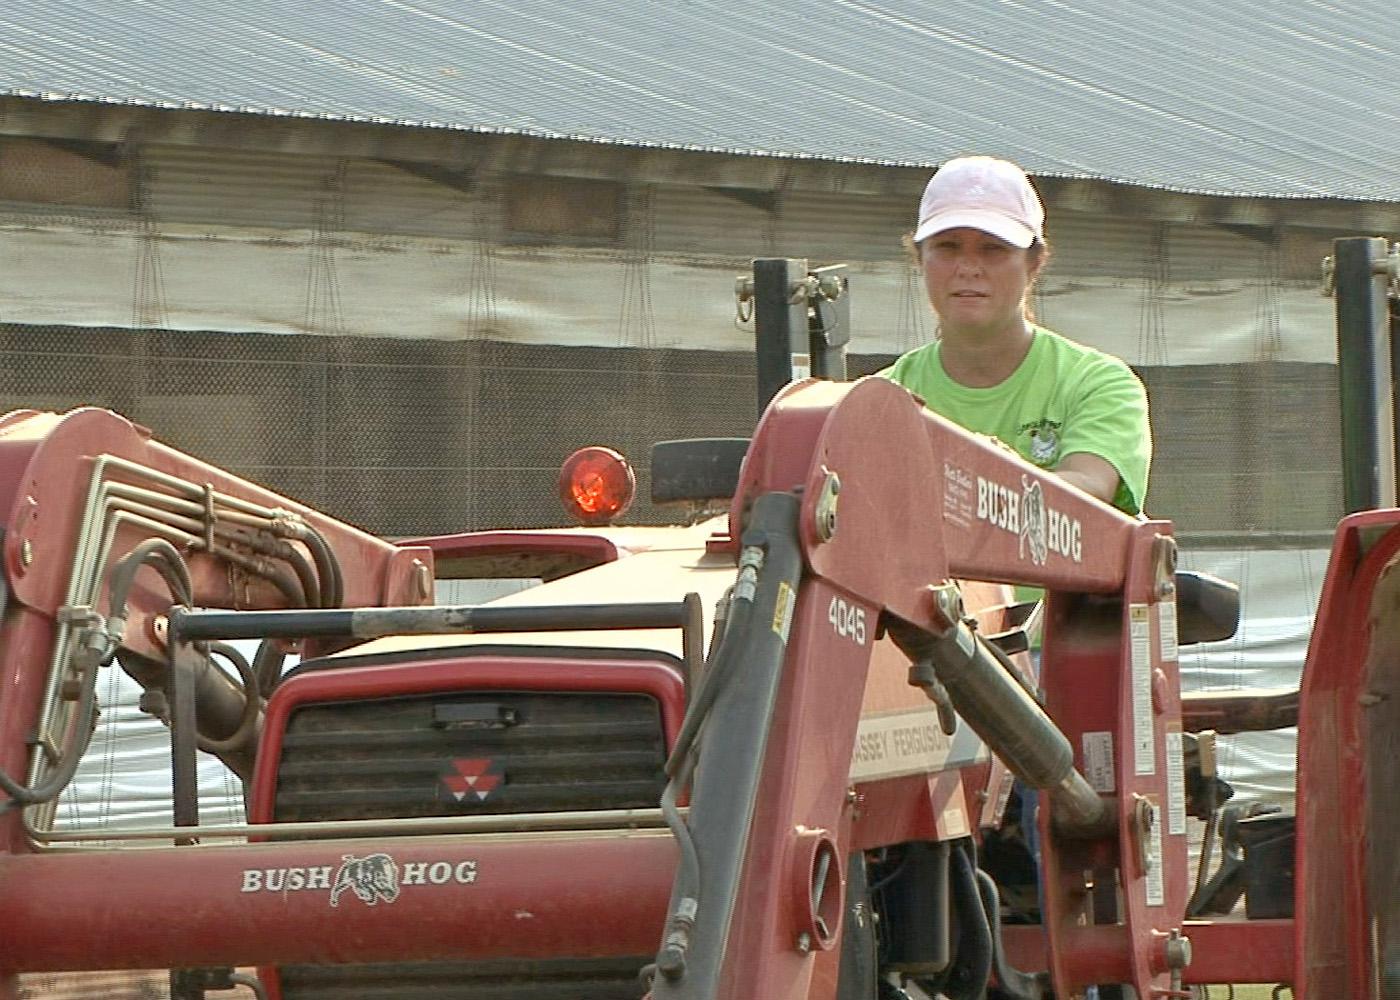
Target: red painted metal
x,y
941,507
543,670
46,463
897,534
1132,685
804,788
534,897
1224,951
899,531
589,550
1353,651
1250,951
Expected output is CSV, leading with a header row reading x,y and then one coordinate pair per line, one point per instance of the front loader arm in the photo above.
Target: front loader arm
x,y
105,529
860,508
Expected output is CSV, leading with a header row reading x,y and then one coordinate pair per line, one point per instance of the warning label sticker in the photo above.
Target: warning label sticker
x,y
1176,784
1156,892
782,610
1144,739
1098,761
1166,631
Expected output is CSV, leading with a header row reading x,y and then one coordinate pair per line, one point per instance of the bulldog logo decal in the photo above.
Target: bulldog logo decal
x,y
371,878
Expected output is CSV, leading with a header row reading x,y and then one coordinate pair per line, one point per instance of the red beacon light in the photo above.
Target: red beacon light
x,y
596,485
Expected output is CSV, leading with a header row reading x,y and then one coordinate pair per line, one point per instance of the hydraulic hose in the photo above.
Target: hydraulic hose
x,y
166,560
267,665
680,766
305,573
284,580
972,965
221,705
79,734
731,752
670,960
279,548
1017,985
217,698
722,665
264,533
252,705
327,566
252,982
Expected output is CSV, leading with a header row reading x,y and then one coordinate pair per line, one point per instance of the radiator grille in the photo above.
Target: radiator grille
x,y
473,752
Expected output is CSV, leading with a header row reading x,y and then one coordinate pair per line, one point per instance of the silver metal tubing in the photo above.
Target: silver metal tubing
x,y
580,820
1001,711
110,506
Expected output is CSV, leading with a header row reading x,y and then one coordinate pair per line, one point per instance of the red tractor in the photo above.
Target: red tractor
x,y
769,755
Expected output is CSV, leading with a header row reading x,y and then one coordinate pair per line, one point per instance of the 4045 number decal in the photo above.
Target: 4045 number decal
x,y
847,619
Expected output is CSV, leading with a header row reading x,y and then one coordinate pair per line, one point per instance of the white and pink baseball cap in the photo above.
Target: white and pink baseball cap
x,y
982,192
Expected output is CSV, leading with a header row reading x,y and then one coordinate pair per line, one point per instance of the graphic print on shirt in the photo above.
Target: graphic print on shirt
x,y
1045,440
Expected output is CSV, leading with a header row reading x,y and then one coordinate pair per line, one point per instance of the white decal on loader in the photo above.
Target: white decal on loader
x,y
372,879
1041,528
959,488
286,879
848,620
910,741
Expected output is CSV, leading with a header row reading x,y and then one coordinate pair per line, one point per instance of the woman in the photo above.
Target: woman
x,y
1063,406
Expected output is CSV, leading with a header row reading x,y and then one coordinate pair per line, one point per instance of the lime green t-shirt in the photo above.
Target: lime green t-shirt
x,y
1064,398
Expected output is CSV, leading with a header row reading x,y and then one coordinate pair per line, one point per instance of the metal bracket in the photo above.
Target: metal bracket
x,y
1388,265
946,605
1164,566
743,296
922,675
825,511
95,638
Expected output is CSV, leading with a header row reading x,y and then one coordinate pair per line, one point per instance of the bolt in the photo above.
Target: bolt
x,y
831,286
804,942
1178,950
825,512
947,604
26,552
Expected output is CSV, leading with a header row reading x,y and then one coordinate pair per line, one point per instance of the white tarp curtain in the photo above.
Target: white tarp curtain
x,y
431,289
1279,591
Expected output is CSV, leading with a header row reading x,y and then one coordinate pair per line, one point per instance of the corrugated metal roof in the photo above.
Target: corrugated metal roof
x,y
1255,97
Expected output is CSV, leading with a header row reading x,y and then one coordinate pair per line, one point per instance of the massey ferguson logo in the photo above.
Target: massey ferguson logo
x,y
470,780
1041,528
372,879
